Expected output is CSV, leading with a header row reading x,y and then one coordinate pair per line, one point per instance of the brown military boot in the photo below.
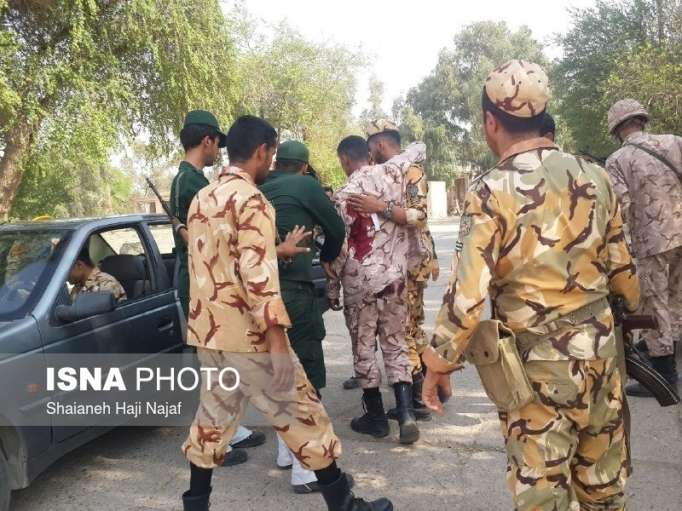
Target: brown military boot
x,y
409,431
374,421
339,497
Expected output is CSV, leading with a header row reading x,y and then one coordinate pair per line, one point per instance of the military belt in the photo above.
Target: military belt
x,y
528,339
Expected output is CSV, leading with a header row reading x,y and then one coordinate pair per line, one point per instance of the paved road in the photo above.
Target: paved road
x,y
459,463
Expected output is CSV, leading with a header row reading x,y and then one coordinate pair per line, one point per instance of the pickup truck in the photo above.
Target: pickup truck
x,y
35,261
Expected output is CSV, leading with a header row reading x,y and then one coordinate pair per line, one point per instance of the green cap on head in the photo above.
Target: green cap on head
x,y
205,118
293,150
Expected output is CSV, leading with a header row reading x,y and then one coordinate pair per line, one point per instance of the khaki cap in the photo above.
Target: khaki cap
x,y
518,88
380,126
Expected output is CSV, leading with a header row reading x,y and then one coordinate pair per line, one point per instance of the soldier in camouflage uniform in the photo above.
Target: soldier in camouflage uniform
x,y
647,177
384,143
201,139
87,278
237,319
542,234
372,269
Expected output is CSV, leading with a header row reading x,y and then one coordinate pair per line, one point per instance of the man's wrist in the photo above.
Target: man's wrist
x,y
387,212
178,227
434,362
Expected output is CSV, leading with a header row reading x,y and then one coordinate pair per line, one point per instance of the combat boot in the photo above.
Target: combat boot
x,y
421,412
339,497
200,503
374,421
667,368
409,431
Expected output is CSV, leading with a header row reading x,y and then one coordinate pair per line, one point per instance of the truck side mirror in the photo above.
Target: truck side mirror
x,y
86,305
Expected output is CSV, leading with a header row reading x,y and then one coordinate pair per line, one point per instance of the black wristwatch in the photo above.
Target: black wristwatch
x,y
388,211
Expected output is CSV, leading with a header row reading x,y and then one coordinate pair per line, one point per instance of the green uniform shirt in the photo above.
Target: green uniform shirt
x,y
187,182
300,200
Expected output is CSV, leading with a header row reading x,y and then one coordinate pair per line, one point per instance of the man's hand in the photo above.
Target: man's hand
x,y
367,204
436,390
435,272
280,356
182,232
289,247
327,267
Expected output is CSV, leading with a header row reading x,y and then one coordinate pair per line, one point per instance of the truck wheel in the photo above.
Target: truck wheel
x,y
5,492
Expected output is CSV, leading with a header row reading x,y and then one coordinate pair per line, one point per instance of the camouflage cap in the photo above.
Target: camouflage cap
x,y
518,88
623,110
380,126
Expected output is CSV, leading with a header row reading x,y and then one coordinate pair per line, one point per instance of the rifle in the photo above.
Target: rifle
x,y
164,204
637,366
590,157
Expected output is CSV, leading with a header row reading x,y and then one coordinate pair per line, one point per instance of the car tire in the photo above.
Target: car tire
x,y
5,491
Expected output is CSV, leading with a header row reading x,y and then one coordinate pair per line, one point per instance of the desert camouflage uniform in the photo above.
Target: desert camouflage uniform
x,y
100,281
372,268
542,233
234,299
651,197
421,265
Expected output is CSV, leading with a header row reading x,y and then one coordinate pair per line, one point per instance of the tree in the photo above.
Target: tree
x,y
375,102
449,98
614,50
306,90
78,77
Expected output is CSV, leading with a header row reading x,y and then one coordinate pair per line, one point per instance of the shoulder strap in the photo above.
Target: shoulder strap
x,y
659,157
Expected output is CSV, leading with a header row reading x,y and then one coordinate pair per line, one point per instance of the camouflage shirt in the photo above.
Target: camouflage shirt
x,y
376,249
542,233
234,284
649,192
421,259
100,281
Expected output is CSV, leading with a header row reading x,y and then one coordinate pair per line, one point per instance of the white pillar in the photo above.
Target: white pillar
x,y
437,200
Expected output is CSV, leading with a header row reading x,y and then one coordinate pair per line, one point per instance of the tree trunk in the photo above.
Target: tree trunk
x,y
17,144
659,15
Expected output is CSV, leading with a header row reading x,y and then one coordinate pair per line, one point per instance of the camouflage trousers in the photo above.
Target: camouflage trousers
x,y
297,415
661,278
567,450
414,334
379,316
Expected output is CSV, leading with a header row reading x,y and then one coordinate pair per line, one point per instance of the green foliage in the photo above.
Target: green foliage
x,y
652,75
629,48
305,90
82,76
449,99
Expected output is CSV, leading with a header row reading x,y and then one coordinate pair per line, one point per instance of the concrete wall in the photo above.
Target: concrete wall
x,y
438,200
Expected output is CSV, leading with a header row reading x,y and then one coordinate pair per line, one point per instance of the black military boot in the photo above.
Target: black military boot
x,y
409,432
339,498
421,412
374,421
191,503
667,368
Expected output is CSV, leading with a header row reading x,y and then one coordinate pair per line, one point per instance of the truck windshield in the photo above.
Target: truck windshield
x,y
25,263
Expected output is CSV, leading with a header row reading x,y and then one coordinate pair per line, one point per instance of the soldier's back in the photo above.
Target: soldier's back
x,y
654,191
552,211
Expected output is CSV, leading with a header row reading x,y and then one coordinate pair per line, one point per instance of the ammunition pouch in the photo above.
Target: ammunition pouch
x,y
494,350
494,353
